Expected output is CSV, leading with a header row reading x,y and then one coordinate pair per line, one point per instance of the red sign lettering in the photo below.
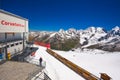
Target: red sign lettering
x,y
3,22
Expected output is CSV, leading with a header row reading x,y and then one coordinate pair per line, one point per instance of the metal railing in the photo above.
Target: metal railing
x,y
11,40
80,71
46,77
38,74
33,74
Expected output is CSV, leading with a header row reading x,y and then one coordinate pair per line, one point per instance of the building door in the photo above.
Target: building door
x,y
1,53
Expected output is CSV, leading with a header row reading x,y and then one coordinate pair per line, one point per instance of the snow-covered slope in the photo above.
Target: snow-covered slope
x,y
55,69
94,61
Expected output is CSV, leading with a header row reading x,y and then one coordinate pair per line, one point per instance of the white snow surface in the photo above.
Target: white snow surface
x,y
54,68
94,61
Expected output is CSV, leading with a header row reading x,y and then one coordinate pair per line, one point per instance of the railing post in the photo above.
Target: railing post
x,y
104,76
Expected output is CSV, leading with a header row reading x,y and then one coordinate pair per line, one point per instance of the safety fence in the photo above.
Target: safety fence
x,y
39,74
33,74
47,45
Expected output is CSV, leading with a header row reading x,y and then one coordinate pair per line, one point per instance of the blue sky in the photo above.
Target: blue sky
x,y
52,15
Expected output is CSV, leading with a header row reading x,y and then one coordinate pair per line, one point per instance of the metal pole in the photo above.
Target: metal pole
x,y
6,57
23,40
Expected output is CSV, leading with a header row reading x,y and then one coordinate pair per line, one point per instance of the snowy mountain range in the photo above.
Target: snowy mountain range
x,y
92,37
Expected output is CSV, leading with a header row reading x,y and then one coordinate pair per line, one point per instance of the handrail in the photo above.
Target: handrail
x,y
82,72
32,74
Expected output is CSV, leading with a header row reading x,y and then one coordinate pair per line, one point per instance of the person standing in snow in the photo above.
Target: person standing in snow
x,y
40,60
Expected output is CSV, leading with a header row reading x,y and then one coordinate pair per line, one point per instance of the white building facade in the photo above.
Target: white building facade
x,y
13,34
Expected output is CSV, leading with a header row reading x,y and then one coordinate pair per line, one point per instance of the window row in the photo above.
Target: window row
x,y
14,44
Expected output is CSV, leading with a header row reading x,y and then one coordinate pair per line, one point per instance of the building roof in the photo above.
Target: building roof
x,y
8,13
11,70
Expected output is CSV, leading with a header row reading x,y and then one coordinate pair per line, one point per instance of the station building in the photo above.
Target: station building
x,y
13,34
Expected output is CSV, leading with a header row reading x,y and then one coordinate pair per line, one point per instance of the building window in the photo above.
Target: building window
x,y
16,43
0,50
7,46
20,42
12,45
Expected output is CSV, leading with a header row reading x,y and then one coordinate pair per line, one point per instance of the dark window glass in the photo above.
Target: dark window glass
x,y
16,43
7,46
12,45
20,42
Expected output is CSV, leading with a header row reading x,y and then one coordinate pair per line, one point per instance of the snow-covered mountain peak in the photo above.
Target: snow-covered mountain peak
x,y
100,30
61,31
90,36
72,30
91,29
116,28
115,32
94,30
